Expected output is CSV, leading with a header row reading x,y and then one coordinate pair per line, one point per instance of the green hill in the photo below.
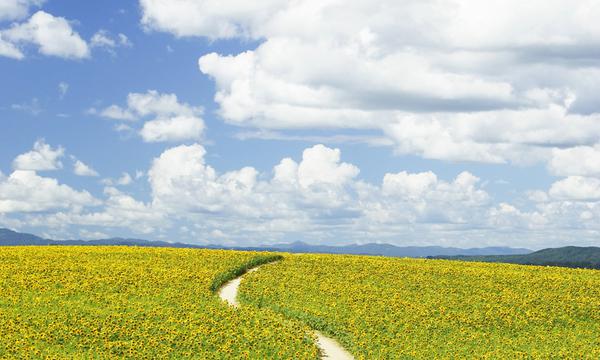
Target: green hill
x,y
570,256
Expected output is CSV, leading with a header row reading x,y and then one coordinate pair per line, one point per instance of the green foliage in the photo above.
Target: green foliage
x,y
570,256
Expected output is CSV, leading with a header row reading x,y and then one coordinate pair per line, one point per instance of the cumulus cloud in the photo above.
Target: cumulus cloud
x,y
125,179
116,113
170,120
579,160
42,157
10,50
315,197
178,128
576,188
17,9
82,169
119,210
53,35
319,190
25,191
454,80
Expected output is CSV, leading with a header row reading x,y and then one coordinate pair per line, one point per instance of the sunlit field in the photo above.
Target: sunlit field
x,y
107,302
384,308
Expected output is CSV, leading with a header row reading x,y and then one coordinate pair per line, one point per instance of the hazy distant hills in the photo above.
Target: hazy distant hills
x,y
583,257
570,256
11,238
396,251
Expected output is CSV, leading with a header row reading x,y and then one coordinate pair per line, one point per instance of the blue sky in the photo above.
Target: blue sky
x,y
421,132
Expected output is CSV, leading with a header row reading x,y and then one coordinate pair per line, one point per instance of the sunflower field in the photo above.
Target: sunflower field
x,y
138,303
386,308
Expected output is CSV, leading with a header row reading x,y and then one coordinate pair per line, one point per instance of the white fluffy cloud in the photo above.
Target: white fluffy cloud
x,y
42,157
170,120
179,128
25,191
317,197
320,190
576,188
119,210
53,35
17,9
579,160
454,80
82,169
8,49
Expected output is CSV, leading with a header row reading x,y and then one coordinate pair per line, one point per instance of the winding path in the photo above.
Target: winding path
x,y
330,348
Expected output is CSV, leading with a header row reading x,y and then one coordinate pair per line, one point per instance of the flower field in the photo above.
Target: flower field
x,y
384,308
142,303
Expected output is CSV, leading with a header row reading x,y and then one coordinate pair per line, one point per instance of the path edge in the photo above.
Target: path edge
x,y
224,277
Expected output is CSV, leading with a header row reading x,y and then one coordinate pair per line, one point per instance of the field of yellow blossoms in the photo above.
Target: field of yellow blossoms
x,y
384,308
139,303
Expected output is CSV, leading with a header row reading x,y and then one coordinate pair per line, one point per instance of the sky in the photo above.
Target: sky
x,y
453,123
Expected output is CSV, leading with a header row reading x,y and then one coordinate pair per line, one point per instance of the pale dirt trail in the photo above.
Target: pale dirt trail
x,y
330,348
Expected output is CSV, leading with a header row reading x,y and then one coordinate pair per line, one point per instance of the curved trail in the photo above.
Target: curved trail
x,y
330,348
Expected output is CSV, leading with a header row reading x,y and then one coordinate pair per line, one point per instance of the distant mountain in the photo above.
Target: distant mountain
x,y
396,251
12,238
570,256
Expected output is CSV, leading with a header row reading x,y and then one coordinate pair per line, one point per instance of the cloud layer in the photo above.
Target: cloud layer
x,y
169,119
316,197
454,80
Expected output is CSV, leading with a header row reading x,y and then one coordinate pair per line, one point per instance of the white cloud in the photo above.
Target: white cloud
x,y
102,39
124,40
579,160
318,191
154,103
81,169
317,197
321,165
455,80
25,191
17,9
125,179
119,210
178,128
211,19
170,120
576,188
42,157
8,49
116,113
53,35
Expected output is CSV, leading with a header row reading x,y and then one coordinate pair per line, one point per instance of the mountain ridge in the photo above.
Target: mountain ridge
x,y
13,238
568,256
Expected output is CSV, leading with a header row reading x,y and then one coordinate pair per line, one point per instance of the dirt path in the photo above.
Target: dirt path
x,y
330,348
